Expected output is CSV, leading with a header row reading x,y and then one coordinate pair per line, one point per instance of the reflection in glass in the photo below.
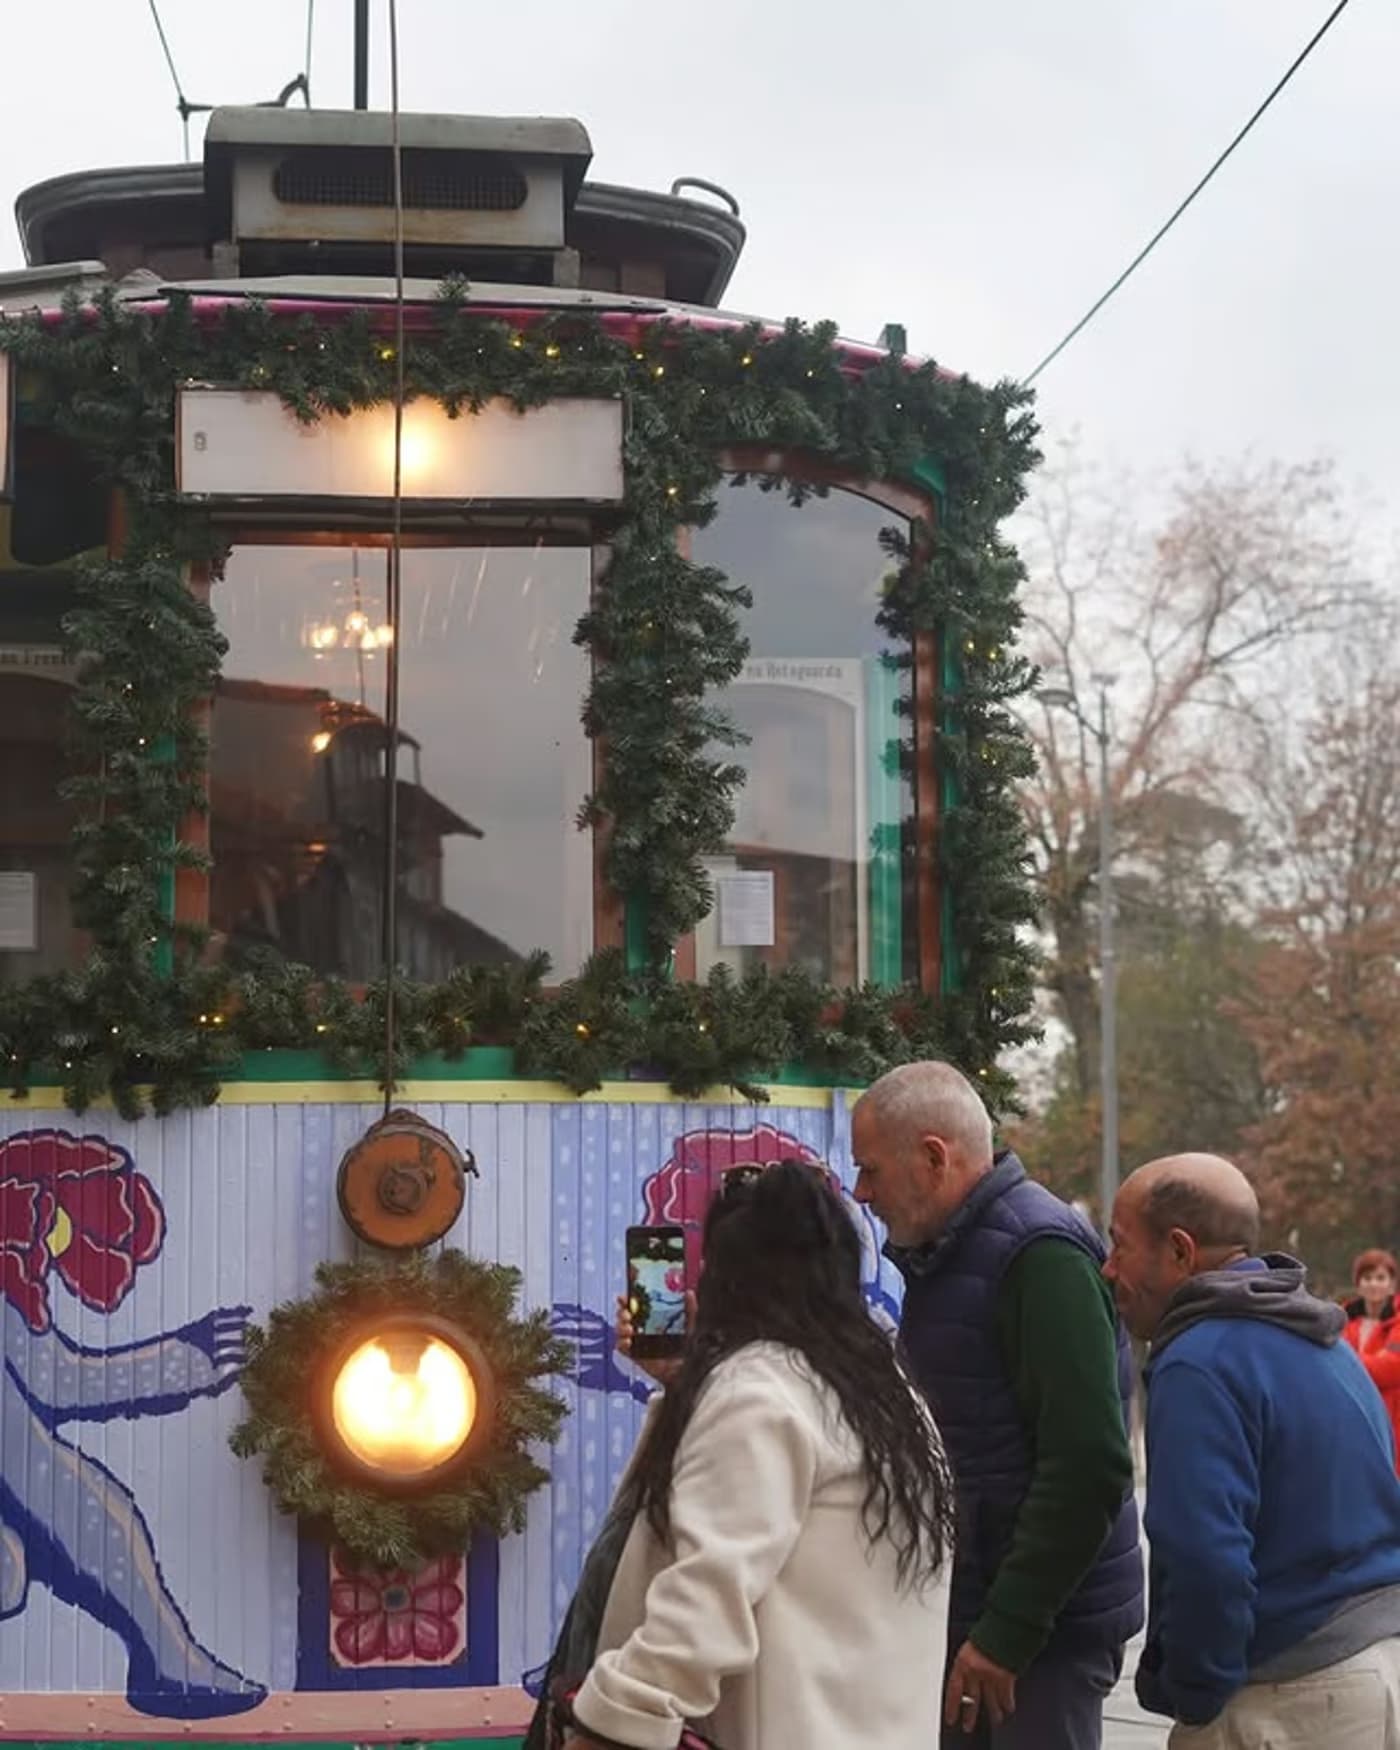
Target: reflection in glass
x,y
824,824
36,823
492,760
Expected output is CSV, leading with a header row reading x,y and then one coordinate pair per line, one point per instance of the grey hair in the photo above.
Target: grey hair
x,y
932,1099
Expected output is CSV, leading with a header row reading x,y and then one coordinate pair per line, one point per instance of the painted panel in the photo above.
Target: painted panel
x,y
144,1574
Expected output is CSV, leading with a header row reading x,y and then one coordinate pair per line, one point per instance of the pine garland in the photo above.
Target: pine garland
x,y
664,634
490,1493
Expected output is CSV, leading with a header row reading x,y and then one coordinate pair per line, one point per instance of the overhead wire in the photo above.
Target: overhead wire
x,y
186,109
182,103
306,59
1200,187
394,604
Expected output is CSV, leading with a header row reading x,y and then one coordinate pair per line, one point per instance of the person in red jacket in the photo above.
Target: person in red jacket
x,y
1374,1331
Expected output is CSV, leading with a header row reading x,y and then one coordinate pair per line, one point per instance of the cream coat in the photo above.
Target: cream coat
x,y
773,1624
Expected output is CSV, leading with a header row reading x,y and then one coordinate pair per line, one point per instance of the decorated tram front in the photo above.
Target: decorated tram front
x,y
481,754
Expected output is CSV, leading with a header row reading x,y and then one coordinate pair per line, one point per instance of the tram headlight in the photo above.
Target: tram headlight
x,y
404,1400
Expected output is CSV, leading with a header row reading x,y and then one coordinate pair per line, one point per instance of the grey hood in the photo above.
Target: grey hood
x,y
1271,1288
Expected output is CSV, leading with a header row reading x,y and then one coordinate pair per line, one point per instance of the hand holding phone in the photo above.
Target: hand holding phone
x,y
654,1315
662,1371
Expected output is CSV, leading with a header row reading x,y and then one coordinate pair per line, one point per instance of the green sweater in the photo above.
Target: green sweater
x,y
1057,1328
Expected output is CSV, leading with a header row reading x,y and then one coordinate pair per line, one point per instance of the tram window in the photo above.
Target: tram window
x,y
492,762
819,870
36,823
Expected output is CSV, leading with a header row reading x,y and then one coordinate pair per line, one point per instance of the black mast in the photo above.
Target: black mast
x,y
361,54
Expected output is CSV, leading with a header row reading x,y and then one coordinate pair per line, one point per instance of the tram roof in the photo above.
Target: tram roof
x,y
335,295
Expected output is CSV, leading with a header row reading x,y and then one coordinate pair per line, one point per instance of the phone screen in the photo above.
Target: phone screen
x,y
656,1289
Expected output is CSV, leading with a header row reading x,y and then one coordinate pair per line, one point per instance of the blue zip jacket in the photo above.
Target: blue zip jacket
x,y
1272,1499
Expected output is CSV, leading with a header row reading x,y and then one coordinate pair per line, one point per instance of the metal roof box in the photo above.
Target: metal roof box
x,y
292,178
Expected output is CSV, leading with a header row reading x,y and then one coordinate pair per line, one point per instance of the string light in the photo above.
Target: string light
x,y
582,1029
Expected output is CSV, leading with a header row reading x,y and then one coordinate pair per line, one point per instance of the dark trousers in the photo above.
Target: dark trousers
x,y
1059,1706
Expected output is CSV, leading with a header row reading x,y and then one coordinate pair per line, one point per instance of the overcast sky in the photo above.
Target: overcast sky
x,y
978,172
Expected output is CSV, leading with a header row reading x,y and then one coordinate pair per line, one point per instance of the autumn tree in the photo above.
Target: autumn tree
x,y
1188,1073
1322,1007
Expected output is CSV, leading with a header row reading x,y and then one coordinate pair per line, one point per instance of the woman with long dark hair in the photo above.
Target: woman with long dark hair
x,y
785,1528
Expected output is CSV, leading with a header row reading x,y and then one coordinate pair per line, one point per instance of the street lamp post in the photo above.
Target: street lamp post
x,y
1063,699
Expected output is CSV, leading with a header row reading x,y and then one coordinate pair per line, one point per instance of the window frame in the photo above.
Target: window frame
x,y
191,894
918,506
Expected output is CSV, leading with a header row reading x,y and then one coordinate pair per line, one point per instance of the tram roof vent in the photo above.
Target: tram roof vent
x,y
285,188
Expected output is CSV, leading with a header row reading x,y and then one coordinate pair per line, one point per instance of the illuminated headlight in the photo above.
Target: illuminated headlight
x,y
405,1400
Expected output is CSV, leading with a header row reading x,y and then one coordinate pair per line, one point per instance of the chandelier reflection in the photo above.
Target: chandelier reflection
x,y
355,631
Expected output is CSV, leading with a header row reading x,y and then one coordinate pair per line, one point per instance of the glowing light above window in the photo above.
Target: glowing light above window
x,y
246,445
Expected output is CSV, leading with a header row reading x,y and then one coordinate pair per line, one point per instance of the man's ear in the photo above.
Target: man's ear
x,y
1183,1247
936,1151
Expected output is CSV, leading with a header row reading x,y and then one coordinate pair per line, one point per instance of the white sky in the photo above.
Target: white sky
x,y
978,172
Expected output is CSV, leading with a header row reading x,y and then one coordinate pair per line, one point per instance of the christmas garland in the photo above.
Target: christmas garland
x,y
382,1530
664,634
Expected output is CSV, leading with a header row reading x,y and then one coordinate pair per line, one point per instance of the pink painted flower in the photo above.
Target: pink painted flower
x,y
398,1618
77,1205
675,1280
679,1193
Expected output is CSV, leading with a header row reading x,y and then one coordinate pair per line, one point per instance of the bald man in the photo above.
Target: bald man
x,y
1011,1333
1273,1508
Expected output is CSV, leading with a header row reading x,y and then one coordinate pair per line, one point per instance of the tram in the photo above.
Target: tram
x,y
396,523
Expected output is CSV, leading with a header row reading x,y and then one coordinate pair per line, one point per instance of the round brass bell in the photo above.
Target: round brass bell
x,y
402,1185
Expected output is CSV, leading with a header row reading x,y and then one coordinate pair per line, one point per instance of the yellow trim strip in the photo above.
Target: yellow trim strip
x,y
420,1093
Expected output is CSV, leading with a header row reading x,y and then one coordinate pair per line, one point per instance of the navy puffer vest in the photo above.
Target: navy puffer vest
x,y
949,1331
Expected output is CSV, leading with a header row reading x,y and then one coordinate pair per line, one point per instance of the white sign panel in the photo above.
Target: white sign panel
x,y
232,444
48,659
836,677
745,908
19,911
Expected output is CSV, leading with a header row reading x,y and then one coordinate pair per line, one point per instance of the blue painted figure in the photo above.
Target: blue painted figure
x,y
75,1209
679,1192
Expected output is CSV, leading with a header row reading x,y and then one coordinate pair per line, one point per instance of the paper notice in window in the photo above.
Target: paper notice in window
x,y
745,908
19,917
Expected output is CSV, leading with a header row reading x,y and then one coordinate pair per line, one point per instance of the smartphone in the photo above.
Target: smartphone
x,y
656,1291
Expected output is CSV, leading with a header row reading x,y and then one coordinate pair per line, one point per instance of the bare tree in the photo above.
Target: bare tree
x,y
1194,618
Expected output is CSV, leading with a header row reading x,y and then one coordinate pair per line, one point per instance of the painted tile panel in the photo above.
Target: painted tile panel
x,y
138,1557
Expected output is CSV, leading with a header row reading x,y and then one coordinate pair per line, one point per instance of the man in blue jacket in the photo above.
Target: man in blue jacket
x,y
1273,1508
